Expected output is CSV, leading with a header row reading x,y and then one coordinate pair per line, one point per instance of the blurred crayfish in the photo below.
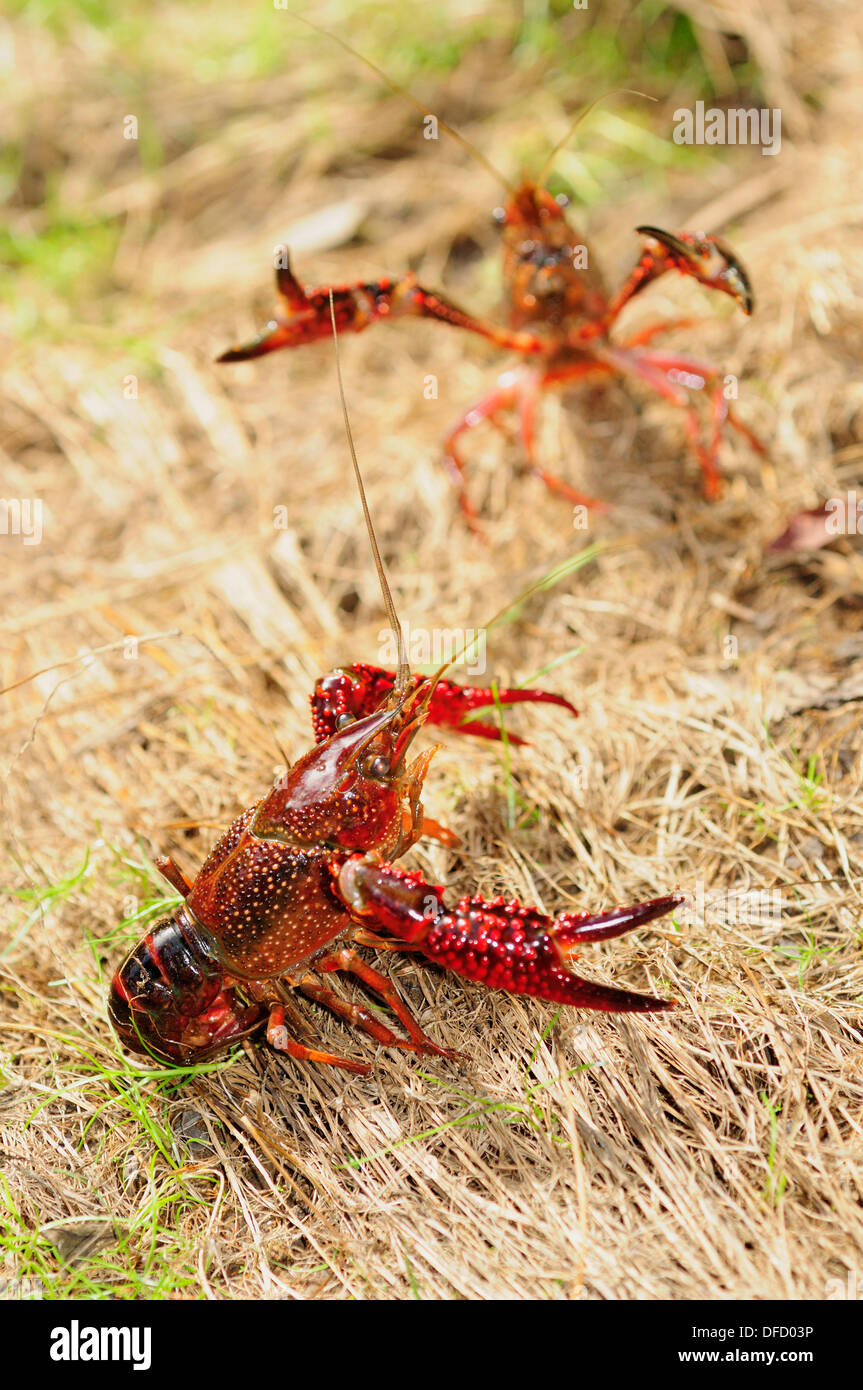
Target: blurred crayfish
x,y
560,320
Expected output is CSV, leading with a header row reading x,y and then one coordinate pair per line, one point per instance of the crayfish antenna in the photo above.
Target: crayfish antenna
x,y
582,116
404,674
408,96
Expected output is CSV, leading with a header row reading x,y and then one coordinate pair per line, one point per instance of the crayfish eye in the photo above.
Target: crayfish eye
x,y
344,720
378,768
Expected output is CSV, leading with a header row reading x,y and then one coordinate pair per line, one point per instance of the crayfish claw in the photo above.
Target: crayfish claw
x,y
570,928
671,243
692,253
496,941
584,994
274,336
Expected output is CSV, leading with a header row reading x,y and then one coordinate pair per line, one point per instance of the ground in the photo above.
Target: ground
x,y
208,512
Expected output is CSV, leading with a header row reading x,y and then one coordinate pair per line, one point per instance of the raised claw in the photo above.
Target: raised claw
x,y
303,316
691,253
307,321
273,336
359,690
499,942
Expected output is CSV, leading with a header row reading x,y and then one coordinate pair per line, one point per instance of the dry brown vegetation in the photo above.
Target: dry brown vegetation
x,y
716,1151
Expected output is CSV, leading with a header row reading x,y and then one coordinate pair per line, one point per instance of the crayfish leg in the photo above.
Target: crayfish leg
x,y
527,402
355,1015
172,872
433,831
502,397
281,1041
383,943
664,373
349,961
520,390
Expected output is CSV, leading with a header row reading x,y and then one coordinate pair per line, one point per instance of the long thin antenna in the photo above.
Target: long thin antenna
x,y
408,96
403,673
546,581
620,91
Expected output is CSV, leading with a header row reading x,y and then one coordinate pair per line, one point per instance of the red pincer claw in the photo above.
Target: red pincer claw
x,y
573,927
498,942
355,691
451,703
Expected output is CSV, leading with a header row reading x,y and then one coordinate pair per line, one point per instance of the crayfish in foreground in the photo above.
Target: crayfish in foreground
x,y
560,320
298,881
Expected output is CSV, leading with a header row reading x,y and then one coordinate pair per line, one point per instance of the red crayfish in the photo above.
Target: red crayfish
x,y
304,876
560,319
294,885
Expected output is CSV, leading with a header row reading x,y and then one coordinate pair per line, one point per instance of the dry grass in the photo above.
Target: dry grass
x,y
712,1152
